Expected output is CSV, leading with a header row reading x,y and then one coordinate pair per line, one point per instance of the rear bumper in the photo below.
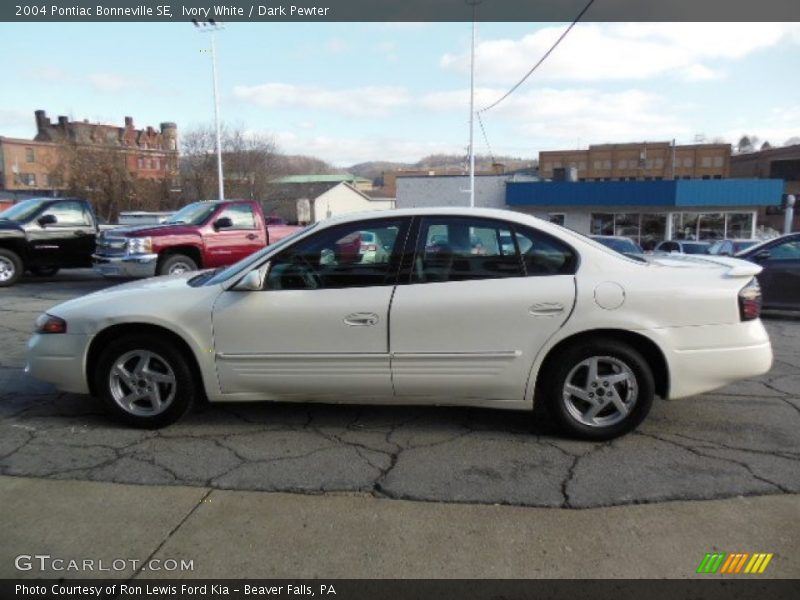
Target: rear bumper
x,y
59,359
137,265
705,358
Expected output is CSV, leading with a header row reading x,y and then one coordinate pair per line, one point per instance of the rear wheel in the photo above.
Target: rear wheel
x,y
145,382
44,271
10,267
599,390
175,264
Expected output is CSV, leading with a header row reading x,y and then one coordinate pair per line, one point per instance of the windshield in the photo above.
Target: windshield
x,y
22,211
246,263
196,213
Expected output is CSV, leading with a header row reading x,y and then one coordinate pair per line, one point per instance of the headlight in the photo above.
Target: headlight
x,y
50,324
142,245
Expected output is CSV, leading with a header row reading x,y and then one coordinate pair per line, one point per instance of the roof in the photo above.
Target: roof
x,y
333,178
678,193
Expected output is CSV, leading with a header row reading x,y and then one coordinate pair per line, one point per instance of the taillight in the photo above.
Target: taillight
x,y
750,301
368,247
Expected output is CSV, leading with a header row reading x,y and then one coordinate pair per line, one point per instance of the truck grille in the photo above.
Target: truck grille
x,y
111,246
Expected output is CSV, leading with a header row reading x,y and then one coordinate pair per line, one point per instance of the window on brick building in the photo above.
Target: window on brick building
x,y
29,155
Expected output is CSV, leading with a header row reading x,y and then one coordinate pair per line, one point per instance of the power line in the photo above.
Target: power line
x,y
485,137
541,60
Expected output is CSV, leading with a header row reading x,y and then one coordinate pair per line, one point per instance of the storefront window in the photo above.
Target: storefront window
x,y
653,231
711,226
602,224
627,225
740,225
684,226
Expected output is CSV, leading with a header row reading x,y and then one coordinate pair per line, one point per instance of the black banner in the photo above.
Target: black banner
x,y
399,10
410,589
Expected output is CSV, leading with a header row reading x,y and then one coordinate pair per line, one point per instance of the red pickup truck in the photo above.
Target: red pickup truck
x,y
207,234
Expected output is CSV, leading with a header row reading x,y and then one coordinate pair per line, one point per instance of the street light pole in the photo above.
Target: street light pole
x,y
212,27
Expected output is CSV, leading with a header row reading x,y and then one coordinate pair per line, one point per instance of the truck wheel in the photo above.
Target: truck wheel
x,y
175,264
10,267
44,271
145,382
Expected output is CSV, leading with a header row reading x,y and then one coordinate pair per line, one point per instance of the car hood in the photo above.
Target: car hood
x,y
155,230
9,224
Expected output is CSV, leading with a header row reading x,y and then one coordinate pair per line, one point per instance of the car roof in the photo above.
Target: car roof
x,y
455,211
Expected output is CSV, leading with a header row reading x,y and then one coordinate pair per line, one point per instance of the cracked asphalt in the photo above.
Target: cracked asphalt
x,y
739,441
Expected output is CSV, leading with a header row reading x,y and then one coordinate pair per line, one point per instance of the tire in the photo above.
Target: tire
x,y
176,263
10,267
135,372
44,271
604,407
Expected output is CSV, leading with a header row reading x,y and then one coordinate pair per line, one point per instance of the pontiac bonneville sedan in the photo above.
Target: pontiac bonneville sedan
x,y
472,307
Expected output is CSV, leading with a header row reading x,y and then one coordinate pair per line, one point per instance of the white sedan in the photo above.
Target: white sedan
x,y
552,318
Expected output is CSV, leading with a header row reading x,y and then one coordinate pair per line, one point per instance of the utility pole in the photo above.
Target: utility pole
x,y
474,4
211,26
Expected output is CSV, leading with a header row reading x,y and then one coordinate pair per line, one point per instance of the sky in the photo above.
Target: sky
x,y
353,92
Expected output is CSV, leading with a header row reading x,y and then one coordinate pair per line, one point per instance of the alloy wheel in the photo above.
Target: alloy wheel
x,y
600,391
142,383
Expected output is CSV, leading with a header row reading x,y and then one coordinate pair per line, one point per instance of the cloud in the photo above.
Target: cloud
x,y
619,52
347,151
555,116
109,82
357,102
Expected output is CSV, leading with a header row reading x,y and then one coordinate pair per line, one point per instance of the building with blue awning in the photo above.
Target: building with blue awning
x,y
650,211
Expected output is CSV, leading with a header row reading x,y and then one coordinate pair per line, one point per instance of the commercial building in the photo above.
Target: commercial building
x,y
453,190
775,163
650,211
31,167
638,161
390,178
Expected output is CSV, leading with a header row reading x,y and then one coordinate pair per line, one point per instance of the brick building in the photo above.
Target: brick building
x,y
646,161
27,166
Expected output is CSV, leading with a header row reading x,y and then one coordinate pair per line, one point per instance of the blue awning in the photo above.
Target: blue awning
x,y
677,193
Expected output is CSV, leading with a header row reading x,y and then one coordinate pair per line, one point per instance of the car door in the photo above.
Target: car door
x,y
475,311
68,241
780,279
225,246
319,328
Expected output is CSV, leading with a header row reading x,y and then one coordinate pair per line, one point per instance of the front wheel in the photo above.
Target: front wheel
x,y
10,267
175,264
145,382
599,390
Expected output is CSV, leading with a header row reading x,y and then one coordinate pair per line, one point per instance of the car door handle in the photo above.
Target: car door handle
x,y
546,309
251,236
361,319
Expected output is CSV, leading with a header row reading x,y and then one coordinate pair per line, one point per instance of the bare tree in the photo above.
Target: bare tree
x,y
249,160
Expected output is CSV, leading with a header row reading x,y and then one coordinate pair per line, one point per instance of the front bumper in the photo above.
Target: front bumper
x,y
59,359
135,265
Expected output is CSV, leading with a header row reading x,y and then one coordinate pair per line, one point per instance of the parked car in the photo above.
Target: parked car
x,y
683,247
43,235
593,335
621,244
201,235
780,279
730,247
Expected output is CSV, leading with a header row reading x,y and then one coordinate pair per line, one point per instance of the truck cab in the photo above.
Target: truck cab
x,y
43,235
202,235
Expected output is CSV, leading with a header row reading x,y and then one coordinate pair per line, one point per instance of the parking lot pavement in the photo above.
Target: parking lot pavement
x,y
230,534
743,440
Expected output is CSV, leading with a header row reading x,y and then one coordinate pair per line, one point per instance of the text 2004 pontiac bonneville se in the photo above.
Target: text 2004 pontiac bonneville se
x,y
470,307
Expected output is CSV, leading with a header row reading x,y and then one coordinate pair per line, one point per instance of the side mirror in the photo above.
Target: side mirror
x,y
761,256
253,281
223,223
46,220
